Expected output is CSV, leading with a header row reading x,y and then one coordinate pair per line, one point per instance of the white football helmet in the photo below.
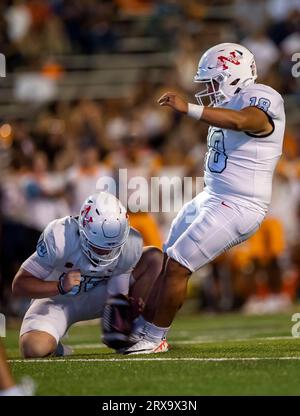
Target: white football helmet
x,y
103,226
224,69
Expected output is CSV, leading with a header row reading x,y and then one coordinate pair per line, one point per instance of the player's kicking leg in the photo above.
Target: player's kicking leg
x,y
120,313
145,274
203,229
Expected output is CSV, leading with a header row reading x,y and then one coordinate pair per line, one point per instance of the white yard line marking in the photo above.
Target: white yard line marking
x,y
105,360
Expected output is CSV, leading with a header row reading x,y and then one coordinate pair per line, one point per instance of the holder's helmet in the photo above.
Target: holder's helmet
x,y
103,227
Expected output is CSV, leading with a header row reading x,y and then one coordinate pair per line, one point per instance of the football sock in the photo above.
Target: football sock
x,y
152,332
155,333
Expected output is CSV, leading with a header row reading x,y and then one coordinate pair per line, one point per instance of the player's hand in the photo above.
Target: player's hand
x,y
172,100
71,279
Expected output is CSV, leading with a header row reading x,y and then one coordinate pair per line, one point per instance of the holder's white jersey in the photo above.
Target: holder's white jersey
x,y
59,251
239,166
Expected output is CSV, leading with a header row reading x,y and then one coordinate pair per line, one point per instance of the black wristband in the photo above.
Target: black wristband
x,y
60,288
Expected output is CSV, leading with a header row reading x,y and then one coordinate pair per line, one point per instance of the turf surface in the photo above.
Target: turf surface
x,y
210,355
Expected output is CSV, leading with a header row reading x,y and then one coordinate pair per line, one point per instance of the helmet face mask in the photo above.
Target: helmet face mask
x,y
212,91
224,69
103,228
95,257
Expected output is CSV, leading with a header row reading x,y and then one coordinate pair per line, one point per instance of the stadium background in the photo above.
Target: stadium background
x,y
79,102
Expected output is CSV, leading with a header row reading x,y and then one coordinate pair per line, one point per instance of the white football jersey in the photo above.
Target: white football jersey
x,y
239,166
59,251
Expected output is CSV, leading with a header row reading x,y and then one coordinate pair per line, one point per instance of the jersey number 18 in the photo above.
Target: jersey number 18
x,y
216,157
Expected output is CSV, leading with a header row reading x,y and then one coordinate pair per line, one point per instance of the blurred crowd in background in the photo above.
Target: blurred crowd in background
x,y
80,102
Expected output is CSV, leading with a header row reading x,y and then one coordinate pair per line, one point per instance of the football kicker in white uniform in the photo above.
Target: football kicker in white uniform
x,y
245,138
79,262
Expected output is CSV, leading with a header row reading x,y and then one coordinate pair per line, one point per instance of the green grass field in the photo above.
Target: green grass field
x,y
210,355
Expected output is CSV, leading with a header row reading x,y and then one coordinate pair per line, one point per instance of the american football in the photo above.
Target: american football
x,y
117,322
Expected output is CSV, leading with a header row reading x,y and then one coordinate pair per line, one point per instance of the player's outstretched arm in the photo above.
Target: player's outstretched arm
x,y
249,119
